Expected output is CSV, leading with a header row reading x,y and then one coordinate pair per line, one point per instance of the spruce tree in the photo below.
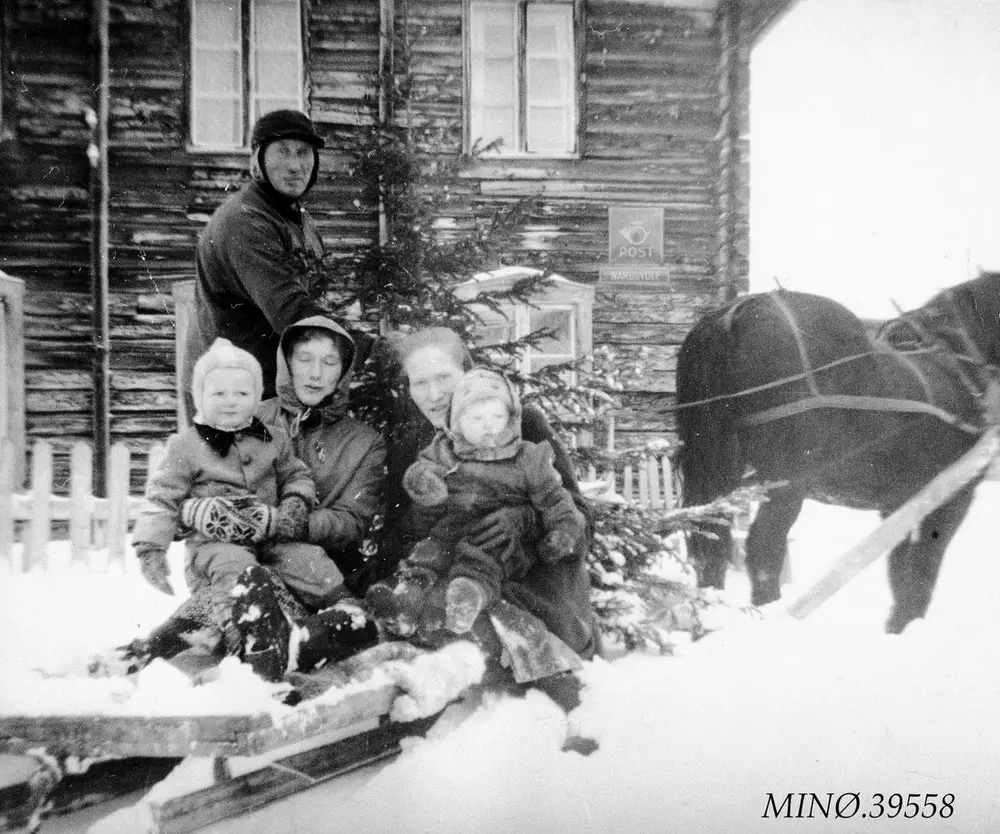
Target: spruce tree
x,y
406,281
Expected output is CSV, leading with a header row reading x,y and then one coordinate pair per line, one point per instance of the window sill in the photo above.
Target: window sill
x,y
216,149
520,155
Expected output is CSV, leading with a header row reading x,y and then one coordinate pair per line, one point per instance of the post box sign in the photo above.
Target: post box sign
x,y
635,235
635,247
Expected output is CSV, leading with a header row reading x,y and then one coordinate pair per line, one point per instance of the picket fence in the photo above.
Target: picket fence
x,y
98,527
649,484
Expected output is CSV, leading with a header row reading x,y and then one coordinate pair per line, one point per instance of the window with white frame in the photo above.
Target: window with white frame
x,y
522,68
246,60
564,310
559,343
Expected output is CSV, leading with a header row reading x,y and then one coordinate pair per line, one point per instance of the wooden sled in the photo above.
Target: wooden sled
x,y
351,732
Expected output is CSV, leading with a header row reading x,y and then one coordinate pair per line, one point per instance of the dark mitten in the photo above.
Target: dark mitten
x,y
557,545
153,564
292,524
425,484
243,519
499,529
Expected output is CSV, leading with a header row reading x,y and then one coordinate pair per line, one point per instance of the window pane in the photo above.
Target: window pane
x,y
490,123
217,122
547,80
493,27
216,23
548,129
543,33
498,37
560,322
265,104
216,72
495,333
277,24
277,72
550,28
499,85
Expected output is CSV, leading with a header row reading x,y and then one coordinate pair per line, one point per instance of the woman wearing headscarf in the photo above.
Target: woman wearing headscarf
x,y
315,362
434,360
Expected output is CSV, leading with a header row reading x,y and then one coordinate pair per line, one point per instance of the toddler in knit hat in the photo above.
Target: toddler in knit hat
x,y
227,482
479,465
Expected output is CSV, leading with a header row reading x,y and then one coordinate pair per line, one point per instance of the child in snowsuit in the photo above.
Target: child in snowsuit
x,y
480,465
247,484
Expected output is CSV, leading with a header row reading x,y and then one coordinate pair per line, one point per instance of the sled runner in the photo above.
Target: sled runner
x,y
350,718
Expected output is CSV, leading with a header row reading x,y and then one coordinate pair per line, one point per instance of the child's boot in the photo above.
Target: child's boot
x,y
398,607
264,630
464,601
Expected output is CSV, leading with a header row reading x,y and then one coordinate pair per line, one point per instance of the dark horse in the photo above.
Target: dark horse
x,y
788,387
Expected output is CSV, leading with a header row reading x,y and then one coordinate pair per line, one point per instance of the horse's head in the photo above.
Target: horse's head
x,y
969,314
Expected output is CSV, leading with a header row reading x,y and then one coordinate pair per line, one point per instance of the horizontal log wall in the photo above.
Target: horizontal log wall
x,y
651,118
650,136
162,193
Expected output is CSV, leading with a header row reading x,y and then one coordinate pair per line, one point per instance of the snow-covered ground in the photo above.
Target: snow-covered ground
x,y
700,742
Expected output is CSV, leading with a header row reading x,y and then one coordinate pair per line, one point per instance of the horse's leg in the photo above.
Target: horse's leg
x,y
914,565
767,543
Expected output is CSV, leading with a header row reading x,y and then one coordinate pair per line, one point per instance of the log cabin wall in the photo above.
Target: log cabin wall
x,y
651,110
162,193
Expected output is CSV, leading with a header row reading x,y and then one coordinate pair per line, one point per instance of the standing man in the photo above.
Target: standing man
x,y
248,289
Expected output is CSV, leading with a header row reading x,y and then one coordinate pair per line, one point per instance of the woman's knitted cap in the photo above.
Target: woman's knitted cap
x,y
224,355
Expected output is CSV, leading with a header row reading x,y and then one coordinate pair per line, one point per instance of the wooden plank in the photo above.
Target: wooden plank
x,y
653,477
900,524
669,499
118,489
102,735
39,530
81,482
61,507
196,735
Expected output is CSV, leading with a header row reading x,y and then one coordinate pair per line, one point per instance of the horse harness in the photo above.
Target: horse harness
x,y
816,399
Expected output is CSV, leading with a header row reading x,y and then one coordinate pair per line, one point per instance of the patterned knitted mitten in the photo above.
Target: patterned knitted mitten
x,y
240,520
